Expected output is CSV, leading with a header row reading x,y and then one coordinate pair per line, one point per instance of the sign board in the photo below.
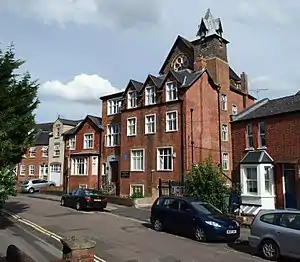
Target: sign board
x,y
125,174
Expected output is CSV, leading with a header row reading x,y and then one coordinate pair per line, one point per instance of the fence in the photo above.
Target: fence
x,y
170,188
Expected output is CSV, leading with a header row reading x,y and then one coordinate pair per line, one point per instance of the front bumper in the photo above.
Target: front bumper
x,y
24,189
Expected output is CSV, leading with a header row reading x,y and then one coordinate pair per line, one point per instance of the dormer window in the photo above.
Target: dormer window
x,y
149,95
132,99
171,91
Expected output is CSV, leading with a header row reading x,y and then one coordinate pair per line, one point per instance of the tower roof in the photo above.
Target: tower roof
x,y
209,26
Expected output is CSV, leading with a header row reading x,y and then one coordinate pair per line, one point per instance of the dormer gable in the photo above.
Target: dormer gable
x,y
131,94
149,91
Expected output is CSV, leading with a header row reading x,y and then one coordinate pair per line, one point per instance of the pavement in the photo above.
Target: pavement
x,y
32,245
123,233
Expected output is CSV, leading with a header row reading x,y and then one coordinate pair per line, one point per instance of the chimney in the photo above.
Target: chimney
x,y
244,79
200,64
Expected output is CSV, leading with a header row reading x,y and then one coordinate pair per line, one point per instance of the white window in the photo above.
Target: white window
x,y
56,168
225,161
234,110
149,95
83,186
251,180
88,141
224,102
268,180
103,169
150,124
171,91
137,189
45,151
57,131
79,166
137,160
43,172
32,151
113,106
113,135
131,99
56,151
165,159
224,134
262,134
22,170
172,121
131,126
95,165
31,170
249,136
72,143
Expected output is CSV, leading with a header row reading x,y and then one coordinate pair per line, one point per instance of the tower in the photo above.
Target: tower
x,y
210,42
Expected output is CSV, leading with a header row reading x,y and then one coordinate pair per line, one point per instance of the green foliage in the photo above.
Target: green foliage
x,y
206,182
136,195
18,100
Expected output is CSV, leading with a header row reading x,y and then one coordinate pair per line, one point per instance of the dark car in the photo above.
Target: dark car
x,y
192,217
84,199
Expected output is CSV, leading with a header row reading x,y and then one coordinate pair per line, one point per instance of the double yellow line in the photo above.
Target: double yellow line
x,y
40,229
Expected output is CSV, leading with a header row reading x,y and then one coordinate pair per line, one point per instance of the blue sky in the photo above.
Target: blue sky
x,y
82,49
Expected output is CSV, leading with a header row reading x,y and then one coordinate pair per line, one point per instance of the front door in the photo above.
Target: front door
x,y
114,165
290,187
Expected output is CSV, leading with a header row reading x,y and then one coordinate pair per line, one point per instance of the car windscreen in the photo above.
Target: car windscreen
x,y
25,182
92,192
206,208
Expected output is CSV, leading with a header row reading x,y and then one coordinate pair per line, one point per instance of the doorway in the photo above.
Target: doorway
x,y
114,169
290,194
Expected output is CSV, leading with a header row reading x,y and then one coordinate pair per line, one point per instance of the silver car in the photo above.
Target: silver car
x,y
33,185
276,233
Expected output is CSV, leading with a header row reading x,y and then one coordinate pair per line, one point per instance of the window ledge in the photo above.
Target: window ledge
x,y
249,148
131,135
150,133
137,170
169,170
262,147
171,131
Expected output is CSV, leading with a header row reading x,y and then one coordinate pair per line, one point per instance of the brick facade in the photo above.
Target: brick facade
x,y
90,156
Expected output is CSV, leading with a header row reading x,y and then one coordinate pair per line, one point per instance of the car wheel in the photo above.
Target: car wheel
x,y
200,235
270,250
31,190
62,202
78,206
51,185
157,225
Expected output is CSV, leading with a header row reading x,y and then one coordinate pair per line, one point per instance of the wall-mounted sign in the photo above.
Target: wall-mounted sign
x,y
125,174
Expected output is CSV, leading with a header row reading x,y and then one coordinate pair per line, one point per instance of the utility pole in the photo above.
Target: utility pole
x,y
259,90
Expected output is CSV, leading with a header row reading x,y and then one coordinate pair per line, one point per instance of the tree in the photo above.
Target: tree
x,y
206,182
18,100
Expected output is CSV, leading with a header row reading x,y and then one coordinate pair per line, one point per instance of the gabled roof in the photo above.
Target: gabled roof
x,y
96,120
42,138
44,126
113,95
257,157
272,107
136,84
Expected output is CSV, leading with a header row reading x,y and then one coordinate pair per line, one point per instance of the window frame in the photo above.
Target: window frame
x,y
234,110
32,152
168,120
143,159
169,91
44,150
224,102
158,155
115,137
75,166
224,133
52,169
72,142
137,185
262,136
56,150
128,126
30,169
251,180
131,99
146,124
22,170
149,96
249,136
114,103
227,160
84,140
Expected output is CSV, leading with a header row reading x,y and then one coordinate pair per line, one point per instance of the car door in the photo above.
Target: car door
x,y
70,199
170,216
288,234
185,217
36,184
78,196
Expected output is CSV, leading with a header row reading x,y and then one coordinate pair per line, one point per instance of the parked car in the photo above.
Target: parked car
x,y
33,185
81,198
190,216
276,233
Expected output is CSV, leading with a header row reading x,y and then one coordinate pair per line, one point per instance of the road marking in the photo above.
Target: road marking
x,y
41,229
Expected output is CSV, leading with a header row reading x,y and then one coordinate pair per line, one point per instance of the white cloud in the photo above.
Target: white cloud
x,y
127,14
82,89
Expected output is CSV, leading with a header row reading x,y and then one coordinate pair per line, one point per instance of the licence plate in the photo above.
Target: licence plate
x,y
98,200
229,232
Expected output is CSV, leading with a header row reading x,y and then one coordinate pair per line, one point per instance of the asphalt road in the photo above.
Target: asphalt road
x,y
124,239
32,245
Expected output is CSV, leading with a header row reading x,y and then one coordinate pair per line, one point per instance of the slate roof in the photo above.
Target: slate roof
x,y
69,122
210,26
44,126
271,107
257,157
42,138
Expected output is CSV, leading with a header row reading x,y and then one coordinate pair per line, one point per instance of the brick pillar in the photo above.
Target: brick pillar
x,y
78,249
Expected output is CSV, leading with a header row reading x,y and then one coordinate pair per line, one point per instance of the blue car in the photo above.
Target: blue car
x,y
189,216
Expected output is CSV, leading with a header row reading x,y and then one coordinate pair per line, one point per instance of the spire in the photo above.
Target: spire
x,y
209,26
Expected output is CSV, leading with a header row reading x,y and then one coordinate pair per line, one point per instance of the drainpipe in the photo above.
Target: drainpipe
x,y
192,136
99,162
182,142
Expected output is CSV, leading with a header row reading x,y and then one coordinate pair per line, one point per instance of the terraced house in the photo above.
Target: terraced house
x,y
266,153
159,127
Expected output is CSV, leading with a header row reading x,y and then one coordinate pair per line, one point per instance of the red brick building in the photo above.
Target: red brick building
x,y
82,154
158,127
34,163
266,153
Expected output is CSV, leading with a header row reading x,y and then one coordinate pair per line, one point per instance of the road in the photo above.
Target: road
x,y
32,245
122,239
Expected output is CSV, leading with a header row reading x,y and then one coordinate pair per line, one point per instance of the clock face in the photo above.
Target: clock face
x,y
180,62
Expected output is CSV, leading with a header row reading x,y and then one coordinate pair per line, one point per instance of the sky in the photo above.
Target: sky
x,y
79,50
